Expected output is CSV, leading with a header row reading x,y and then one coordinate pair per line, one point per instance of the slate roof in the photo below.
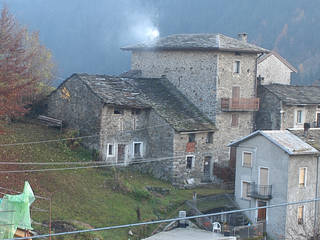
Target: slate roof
x,y
198,42
284,139
295,95
158,94
277,55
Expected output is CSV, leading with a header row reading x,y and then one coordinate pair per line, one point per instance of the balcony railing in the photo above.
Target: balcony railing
x,y
259,191
239,104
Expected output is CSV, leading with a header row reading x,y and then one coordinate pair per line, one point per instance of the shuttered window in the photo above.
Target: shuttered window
x,y
234,120
300,214
245,188
247,159
302,176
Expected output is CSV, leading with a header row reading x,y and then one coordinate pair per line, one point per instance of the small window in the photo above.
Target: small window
x,y
137,149
135,111
236,66
299,116
210,137
118,111
192,137
110,151
300,214
234,120
245,189
302,177
190,162
247,159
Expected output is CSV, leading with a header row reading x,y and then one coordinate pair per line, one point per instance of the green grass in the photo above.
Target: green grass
x,y
88,197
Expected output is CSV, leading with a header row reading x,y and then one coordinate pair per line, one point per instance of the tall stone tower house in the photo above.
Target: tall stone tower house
x,y
217,73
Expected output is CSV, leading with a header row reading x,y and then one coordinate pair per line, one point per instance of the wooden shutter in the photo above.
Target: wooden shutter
x,y
245,187
302,176
247,157
234,120
235,92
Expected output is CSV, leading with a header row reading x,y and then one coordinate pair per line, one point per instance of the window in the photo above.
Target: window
x,y
190,162
110,150
192,137
210,137
299,116
118,111
135,111
245,188
234,120
246,159
300,214
236,66
302,177
137,149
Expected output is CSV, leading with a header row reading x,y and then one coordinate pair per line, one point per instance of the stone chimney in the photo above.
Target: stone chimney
x,y
243,37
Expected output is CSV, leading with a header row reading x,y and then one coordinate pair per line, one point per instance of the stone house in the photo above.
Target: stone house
x,y
272,68
215,72
274,167
288,106
142,120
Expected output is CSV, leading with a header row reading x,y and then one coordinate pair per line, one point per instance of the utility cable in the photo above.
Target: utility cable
x,y
165,220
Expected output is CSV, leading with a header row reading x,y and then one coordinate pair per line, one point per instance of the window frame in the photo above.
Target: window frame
x,y
241,193
296,123
209,137
140,149
190,136
236,66
242,162
300,219
120,111
192,163
305,177
238,120
113,150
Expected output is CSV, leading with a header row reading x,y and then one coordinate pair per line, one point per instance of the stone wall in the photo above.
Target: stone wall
x,y
201,150
274,71
246,80
78,107
289,116
268,117
194,73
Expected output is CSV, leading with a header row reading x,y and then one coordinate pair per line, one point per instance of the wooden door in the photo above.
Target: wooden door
x,y
235,102
262,212
121,153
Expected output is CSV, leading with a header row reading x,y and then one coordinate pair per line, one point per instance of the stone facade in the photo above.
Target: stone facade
x,y
72,103
206,77
273,70
274,114
283,176
159,142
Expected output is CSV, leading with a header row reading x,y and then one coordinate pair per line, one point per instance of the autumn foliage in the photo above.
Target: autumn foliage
x,y
25,65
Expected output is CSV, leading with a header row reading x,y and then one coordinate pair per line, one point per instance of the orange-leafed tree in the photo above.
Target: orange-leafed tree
x,y
25,65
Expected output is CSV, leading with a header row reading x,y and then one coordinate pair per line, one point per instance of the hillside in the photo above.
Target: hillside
x,y
84,197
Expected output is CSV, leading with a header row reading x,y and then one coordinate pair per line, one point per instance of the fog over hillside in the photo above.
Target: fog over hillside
x,y
85,35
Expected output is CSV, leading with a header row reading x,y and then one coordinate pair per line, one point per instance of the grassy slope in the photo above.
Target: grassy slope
x,y
90,196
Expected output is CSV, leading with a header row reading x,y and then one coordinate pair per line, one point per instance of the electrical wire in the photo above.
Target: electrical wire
x,y
86,167
166,220
91,136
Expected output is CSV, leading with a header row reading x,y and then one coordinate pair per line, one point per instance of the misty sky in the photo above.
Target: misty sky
x,y
85,35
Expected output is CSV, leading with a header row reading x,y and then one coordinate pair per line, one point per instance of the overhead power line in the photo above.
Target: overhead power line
x,y
165,220
95,166
89,136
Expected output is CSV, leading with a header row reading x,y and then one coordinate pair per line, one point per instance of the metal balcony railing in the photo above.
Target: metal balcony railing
x,y
239,104
259,191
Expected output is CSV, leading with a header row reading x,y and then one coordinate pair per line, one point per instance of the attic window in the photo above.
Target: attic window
x,y
118,111
236,66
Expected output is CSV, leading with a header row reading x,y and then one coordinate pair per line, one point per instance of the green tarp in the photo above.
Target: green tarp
x,y
15,212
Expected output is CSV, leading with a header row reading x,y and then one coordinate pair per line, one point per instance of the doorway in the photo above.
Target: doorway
x,y
121,153
206,168
262,212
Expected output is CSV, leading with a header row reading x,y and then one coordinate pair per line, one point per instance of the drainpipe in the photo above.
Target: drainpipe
x,y
315,202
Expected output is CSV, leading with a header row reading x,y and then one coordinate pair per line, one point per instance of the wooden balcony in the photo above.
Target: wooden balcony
x,y
239,104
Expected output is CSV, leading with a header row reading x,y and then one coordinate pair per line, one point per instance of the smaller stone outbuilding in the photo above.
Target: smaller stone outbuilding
x,y
288,106
142,122
274,167
272,68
